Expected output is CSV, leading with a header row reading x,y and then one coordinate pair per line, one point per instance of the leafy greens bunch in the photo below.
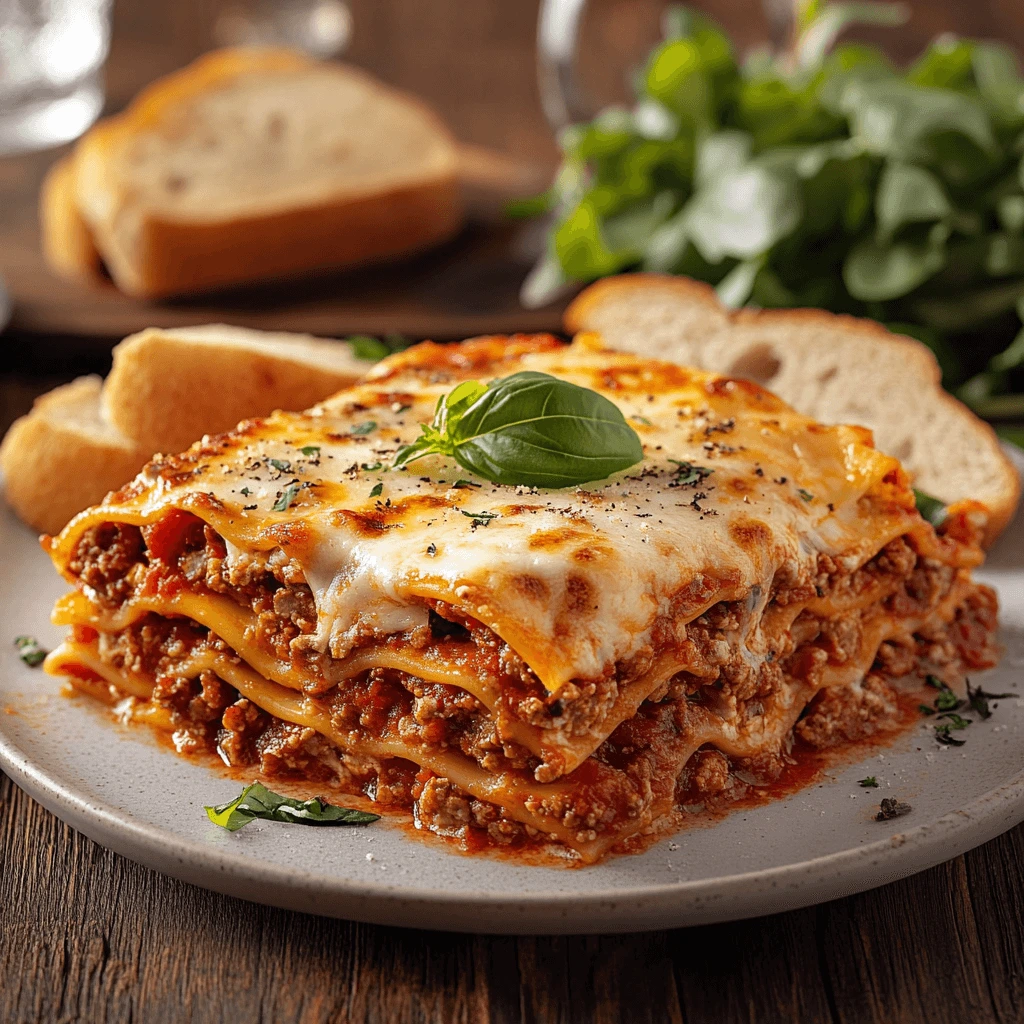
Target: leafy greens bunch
x,y
823,176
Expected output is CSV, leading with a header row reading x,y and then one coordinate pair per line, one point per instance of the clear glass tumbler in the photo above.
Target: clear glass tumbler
x,y
51,60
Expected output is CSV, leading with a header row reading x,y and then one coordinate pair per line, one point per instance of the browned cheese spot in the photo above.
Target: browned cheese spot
x,y
750,533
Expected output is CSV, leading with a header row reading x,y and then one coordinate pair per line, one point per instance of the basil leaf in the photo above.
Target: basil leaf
x,y
874,272
817,38
931,509
529,428
907,195
256,801
743,213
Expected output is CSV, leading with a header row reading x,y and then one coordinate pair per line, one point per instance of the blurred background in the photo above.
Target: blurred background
x,y
474,61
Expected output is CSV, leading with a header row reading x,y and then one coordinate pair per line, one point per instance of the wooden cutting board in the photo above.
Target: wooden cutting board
x,y
468,286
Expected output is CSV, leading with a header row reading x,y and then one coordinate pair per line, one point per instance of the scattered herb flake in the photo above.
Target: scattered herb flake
x,y
947,738
689,473
361,429
310,450
431,549
377,489
460,484
806,495
641,419
979,699
891,808
245,492
287,497
256,801
485,517
29,651
281,465
370,467
926,709
868,783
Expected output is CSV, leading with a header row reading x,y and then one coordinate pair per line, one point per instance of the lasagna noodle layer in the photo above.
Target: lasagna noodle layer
x,y
540,806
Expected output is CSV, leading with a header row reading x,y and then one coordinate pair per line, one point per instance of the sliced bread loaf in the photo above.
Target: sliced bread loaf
x,y
258,163
167,388
64,456
838,369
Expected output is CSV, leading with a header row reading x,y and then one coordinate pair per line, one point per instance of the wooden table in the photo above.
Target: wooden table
x,y
86,935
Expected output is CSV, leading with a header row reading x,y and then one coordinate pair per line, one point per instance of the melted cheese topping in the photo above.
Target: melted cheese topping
x,y
574,580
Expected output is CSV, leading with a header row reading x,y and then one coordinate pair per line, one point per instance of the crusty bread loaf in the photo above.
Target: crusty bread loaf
x,y
167,388
67,242
64,456
254,164
837,369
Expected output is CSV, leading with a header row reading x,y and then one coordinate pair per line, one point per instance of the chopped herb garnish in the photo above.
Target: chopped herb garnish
x,y
954,721
891,808
926,709
947,700
366,347
361,429
377,489
245,492
979,699
950,723
287,497
459,484
806,495
868,783
310,449
431,550
281,465
641,419
689,473
370,467
947,738
256,801
29,650
483,517
401,408
930,508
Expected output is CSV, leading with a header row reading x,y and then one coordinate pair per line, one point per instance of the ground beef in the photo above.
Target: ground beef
x,y
103,558
845,714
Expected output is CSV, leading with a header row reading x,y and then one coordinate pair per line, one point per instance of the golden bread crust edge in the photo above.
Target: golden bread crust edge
x,y
920,360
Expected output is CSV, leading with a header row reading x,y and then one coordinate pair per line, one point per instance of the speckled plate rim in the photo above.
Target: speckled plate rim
x,y
621,909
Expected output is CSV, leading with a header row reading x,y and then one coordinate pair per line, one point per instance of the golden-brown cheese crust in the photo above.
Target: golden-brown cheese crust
x,y
577,581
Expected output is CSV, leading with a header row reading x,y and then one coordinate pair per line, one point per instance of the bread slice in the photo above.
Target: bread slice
x,y
253,164
64,456
66,239
167,388
838,369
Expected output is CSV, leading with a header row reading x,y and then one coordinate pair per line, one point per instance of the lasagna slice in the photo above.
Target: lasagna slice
x,y
519,666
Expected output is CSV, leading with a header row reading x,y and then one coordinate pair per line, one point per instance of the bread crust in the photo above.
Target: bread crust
x,y
152,256
922,370
165,389
68,245
53,468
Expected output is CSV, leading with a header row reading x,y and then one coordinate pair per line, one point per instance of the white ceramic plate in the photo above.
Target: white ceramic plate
x,y
125,791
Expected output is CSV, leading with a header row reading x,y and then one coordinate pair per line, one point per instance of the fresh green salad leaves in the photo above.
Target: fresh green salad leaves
x,y
529,428
824,176
256,801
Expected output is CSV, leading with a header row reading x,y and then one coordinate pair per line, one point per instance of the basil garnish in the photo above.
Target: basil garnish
x,y
256,801
529,428
30,651
931,509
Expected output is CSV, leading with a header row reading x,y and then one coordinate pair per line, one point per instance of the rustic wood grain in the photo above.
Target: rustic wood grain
x,y
86,935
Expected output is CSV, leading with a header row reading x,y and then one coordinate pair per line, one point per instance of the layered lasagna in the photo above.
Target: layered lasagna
x,y
518,666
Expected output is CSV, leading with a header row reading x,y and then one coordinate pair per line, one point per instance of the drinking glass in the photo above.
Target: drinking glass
x,y
51,61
